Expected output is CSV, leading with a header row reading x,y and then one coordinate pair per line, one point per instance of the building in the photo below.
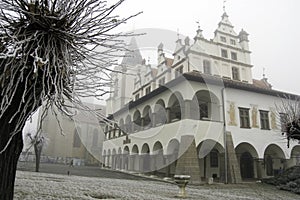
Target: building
x,y
77,140
199,113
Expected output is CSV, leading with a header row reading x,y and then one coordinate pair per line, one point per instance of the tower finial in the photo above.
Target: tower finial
x,y
224,6
264,75
198,24
177,33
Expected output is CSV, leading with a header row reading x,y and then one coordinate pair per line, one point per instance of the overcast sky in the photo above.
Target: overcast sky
x,y
273,27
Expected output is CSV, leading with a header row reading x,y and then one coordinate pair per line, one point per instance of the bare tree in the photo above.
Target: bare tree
x,y
52,52
37,141
289,114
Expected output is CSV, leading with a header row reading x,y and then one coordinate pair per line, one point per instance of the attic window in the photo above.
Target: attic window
x,y
148,90
235,73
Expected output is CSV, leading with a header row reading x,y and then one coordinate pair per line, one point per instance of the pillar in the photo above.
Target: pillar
x,y
188,162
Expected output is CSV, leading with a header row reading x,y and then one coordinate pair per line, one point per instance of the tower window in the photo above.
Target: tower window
x,y
224,53
235,73
148,90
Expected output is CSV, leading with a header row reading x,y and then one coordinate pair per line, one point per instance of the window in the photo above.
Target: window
x,y
178,71
148,90
137,96
223,39
161,81
224,53
232,42
214,158
206,67
244,117
235,73
233,56
264,120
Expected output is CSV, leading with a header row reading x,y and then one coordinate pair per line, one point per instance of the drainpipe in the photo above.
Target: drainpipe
x,y
224,134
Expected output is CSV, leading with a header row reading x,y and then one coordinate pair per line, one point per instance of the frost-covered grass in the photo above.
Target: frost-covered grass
x,y
31,185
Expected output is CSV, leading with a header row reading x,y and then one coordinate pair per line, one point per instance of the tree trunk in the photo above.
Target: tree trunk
x,y
8,159
37,151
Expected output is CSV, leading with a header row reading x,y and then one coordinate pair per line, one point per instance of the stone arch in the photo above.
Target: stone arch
x,y
205,105
158,157
145,158
160,113
175,106
246,155
137,121
125,158
145,149
274,160
135,149
295,156
135,158
147,117
157,148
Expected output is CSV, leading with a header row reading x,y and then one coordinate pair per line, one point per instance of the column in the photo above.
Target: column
x,y
187,109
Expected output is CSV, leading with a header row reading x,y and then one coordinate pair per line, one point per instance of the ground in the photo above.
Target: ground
x,y
32,185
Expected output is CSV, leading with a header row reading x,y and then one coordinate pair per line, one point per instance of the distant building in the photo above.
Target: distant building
x,y
205,94
81,139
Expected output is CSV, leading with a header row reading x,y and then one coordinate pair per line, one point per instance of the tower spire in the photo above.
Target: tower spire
x,y
224,6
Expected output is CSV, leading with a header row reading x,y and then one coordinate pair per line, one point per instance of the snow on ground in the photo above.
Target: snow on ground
x,y
32,185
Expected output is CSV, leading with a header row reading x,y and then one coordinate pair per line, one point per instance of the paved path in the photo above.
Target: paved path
x,y
88,171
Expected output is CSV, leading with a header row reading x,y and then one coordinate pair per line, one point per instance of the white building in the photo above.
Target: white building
x,y
204,95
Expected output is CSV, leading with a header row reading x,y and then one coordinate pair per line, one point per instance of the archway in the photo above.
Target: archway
x,y
135,158
274,160
160,113
248,157
137,121
246,165
171,157
205,106
211,160
147,118
175,107
145,158
157,158
125,158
